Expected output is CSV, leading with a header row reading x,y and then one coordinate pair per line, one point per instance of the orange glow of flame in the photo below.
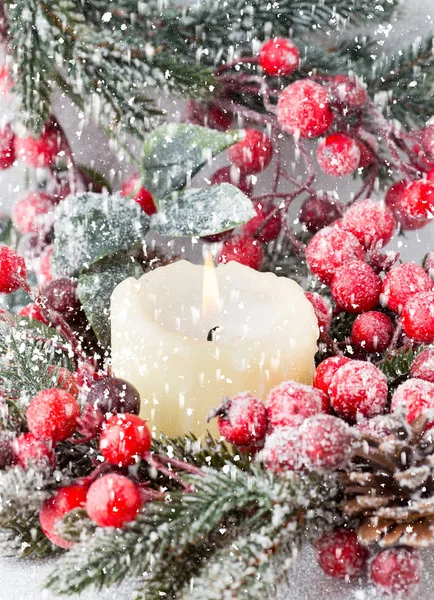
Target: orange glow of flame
x,y
210,295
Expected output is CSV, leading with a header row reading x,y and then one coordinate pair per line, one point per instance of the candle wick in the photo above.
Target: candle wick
x,y
210,336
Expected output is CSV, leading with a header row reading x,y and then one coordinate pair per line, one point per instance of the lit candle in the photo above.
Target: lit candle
x,y
185,349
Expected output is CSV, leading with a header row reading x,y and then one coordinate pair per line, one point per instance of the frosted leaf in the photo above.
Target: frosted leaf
x,y
200,212
90,226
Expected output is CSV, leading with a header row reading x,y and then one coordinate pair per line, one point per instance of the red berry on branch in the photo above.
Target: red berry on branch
x,y
394,202
396,572
372,331
329,249
7,147
61,295
370,222
252,154
45,269
56,507
347,92
113,500
430,176
52,415
323,311
234,176
418,199
279,57
33,212
134,189
366,154
125,438
422,366
258,227
338,155
356,287
33,311
209,115
114,395
325,442
418,317
242,420
245,250
317,213
64,380
29,450
358,389
402,283
415,395
12,270
304,109
290,403
325,371
281,450
340,555
41,151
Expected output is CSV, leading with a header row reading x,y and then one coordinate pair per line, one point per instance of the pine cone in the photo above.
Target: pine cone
x,y
390,486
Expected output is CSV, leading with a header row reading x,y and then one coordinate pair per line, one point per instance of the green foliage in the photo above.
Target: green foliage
x,y
396,365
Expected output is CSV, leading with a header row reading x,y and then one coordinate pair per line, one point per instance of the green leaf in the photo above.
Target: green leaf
x,y
199,212
95,288
89,227
174,153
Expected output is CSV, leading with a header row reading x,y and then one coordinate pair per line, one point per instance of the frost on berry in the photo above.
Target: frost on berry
x,y
338,155
323,311
253,154
415,396
303,109
124,440
113,500
317,213
56,507
243,249
242,420
42,151
12,270
370,222
52,415
417,199
423,365
325,442
396,572
340,555
325,371
279,57
403,217
290,403
372,331
281,450
356,287
418,317
7,148
265,226
34,212
402,283
347,92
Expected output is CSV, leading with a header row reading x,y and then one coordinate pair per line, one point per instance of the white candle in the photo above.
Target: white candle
x,y
267,332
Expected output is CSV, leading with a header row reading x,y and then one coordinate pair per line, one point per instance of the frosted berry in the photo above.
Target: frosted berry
x,y
396,572
325,442
325,371
380,426
356,287
252,154
45,269
125,438
418,199
242,420
290,403
56,507
418,317
329,249
347,92
245,250
7,457
430,176
338,155
7,147
6,79
113,500
41,151
258,226
402,283
52,415
64,380
114,395
282,450
33,212
134,189
234,176
61,295
30,248
403,217
358,389
304,109
366,154
323,311
317,213
340,555
415,395
12,270
370,222
29,450
33,311
279,57
423,365
372,331
209,115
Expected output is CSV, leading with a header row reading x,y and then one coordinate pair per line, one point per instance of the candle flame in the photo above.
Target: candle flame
x,y
210,295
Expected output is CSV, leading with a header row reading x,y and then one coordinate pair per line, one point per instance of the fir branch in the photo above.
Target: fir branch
x,y
396,365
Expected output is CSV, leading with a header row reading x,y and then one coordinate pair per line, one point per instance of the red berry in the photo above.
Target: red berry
x,y
113,395
379,427
430,176
325,371
418,317
356,287
370,222
125,439
33,311
402,283
245,250
33,212
358,388
428,142
209,115
7,148
423,365
56,507
29,450
234,176
340,555
255,227
366,154
303,109
347,92
281,450
418,199
6,80
372,331
323,311
394,202
415,395
338,155
396,572
316,213
52,415
290,403
242,420
279,57
12,270
252,154
45,270
325,442
42,151
61,295
329,249
133,188
113,500
64,380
